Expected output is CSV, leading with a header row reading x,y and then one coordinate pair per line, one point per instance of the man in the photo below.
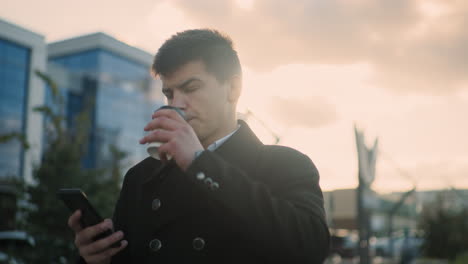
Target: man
x,y
224,197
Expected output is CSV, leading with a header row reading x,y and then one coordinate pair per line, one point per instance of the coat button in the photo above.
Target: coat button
x,y
198,243
156,204
200,176
155,245
214,186
208,181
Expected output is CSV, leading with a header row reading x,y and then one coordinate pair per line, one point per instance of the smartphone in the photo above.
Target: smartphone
x,y
75,199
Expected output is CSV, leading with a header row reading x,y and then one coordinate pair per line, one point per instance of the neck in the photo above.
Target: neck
x,y
224,131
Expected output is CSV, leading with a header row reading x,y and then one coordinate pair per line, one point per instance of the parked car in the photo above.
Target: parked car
x,y
344,246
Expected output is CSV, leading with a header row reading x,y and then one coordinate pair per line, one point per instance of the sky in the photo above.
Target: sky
x,y
314,69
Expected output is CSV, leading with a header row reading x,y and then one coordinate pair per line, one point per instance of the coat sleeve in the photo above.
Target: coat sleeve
x,y
282,217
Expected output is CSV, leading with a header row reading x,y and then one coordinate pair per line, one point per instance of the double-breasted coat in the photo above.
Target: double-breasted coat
x,y
246,202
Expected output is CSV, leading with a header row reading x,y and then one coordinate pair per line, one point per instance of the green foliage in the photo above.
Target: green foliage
x,y
45,217
446,230
461,258
57,99
15,135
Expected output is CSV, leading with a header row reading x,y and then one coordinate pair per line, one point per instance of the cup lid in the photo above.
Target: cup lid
x,y
178,110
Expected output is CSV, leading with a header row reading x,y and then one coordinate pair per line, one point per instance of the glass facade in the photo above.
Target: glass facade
x,y
117,88
14,72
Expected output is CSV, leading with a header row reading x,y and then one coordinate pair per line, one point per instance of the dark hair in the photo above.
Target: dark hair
x,y
210,46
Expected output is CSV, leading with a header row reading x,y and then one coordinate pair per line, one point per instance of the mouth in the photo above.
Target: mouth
x,y
189,117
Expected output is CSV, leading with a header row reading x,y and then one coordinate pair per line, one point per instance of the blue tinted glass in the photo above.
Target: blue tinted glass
x,y
14,64
121,108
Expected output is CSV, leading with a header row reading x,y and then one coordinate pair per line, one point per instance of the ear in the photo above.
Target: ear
x,y
235,87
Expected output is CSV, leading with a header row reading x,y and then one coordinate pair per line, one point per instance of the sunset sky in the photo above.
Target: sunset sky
x,y
313,68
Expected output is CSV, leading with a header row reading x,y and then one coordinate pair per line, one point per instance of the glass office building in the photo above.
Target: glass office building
x,y
21,52
95,72
14,69
115,85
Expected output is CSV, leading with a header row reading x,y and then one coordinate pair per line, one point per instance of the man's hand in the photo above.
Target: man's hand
x,y
99,251
179,139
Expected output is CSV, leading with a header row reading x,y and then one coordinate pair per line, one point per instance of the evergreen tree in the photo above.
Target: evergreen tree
x,y
445,230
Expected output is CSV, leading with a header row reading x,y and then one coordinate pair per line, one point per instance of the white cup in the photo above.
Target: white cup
x,y
152,147
152,150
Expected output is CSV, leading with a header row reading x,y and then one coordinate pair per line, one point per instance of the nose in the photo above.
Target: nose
x,y
179,100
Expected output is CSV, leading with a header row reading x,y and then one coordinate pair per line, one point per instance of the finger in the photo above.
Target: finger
x,y
101,244
166,150
74,221
86,235
172,114
163,122
107,254
157,136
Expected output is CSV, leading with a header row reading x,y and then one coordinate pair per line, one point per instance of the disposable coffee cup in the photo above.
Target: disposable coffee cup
x,y
152,148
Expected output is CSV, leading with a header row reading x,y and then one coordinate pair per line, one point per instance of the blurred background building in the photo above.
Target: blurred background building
x,y
21,52
113,80
341,209
109,77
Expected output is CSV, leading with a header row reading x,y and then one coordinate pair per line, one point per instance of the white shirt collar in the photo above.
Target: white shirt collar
x,y
220,141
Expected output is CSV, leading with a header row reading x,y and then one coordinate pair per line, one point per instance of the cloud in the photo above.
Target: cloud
x,y
64,19
311,112
415,46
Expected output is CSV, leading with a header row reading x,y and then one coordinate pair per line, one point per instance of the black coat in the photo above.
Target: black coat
x,y
243,203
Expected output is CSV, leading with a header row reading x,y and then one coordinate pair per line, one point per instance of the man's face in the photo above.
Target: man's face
x,y
202,97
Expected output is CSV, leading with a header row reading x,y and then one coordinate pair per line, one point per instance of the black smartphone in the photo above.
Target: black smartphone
x,y
75,199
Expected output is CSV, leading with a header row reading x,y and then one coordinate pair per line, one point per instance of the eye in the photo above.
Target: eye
x,y
168,94
191,88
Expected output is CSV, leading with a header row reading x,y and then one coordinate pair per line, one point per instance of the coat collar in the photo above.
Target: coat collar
x,y
241,148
